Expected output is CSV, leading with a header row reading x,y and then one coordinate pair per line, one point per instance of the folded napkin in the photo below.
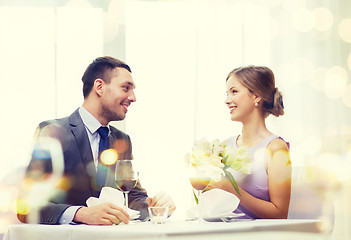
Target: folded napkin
x,y
114,196
215,203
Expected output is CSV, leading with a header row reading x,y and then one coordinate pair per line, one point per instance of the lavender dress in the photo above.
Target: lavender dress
x,y
255,183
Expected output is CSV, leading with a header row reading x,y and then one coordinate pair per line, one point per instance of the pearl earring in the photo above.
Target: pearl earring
x,y
256,104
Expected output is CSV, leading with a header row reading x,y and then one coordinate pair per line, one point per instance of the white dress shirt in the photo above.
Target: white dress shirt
x,y
92,125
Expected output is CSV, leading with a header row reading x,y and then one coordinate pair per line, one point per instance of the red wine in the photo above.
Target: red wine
x,y
126,185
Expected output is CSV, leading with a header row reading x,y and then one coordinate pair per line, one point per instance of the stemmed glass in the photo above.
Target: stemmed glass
x,y
45,152
126,178
199,181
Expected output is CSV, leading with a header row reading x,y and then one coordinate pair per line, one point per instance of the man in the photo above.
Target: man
x,y
108,90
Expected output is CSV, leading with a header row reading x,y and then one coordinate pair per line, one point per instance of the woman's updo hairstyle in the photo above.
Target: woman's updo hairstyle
x,y
260,81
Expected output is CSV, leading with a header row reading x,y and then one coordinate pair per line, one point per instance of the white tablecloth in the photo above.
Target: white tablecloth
x,y
299,229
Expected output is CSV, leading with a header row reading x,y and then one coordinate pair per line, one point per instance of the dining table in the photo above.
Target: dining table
x,y
302,229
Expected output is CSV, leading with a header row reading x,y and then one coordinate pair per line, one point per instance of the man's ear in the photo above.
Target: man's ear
x,y
99,86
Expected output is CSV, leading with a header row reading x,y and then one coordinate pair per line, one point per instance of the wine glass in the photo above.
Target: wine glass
x,y
199,180
126,178
44,172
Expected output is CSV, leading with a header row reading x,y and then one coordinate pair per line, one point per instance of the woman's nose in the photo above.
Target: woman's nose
x,y
227,101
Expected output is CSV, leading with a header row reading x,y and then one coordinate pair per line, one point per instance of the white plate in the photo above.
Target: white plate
x,y
226,218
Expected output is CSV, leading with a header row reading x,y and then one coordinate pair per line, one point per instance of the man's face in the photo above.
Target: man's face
x,y
117,95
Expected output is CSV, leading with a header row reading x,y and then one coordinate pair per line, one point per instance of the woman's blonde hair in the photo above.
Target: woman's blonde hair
x,y
260,81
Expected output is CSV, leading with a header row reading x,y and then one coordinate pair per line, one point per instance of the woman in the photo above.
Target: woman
x,y
251,98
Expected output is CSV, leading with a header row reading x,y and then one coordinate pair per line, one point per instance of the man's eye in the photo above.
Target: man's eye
x,y
126,88
234,91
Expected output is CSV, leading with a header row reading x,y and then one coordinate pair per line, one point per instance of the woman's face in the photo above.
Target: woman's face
x,y
240,101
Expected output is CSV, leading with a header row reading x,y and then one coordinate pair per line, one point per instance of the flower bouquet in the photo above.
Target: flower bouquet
x,y
212,161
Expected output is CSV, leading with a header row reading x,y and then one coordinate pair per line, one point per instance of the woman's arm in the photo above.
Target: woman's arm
x,y
279,183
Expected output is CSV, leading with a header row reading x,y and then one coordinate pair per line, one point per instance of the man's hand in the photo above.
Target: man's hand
x,y
162,199
102,214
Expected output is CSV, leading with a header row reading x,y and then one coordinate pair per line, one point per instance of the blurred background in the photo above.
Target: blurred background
x,y
180,52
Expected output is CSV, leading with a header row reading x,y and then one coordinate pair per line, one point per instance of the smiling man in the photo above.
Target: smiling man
x,y
108,90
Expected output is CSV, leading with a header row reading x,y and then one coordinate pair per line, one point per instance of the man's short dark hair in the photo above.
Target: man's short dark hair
x,y
100,68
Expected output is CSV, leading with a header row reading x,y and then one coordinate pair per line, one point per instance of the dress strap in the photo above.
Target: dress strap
x,y
264,143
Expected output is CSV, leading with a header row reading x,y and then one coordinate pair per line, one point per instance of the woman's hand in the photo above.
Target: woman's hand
x,y
224,184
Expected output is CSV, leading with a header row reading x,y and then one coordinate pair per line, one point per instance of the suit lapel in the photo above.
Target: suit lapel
x,y
80,134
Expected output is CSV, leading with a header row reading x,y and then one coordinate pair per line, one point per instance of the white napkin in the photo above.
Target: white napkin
x,y
114,196
215,203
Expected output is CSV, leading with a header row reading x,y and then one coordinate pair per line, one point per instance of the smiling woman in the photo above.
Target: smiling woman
x,y
258,83
251,98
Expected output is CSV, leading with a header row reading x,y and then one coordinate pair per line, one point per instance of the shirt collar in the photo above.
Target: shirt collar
x,y
89,120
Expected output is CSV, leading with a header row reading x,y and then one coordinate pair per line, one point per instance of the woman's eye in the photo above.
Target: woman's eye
x,y
231,92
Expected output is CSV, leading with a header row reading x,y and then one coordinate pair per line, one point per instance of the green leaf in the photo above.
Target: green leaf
x,y
196,200
226,167
225,159
232,180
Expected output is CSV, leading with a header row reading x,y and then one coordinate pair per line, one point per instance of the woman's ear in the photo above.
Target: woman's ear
x,y
257,99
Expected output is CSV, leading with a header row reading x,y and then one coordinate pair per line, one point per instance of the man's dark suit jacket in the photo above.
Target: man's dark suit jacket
x,y
79,168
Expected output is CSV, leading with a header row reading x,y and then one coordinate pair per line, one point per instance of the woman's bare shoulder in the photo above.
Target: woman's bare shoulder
x,y
278,144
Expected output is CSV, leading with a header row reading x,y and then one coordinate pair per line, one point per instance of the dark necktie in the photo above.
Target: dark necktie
x,y
103,145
